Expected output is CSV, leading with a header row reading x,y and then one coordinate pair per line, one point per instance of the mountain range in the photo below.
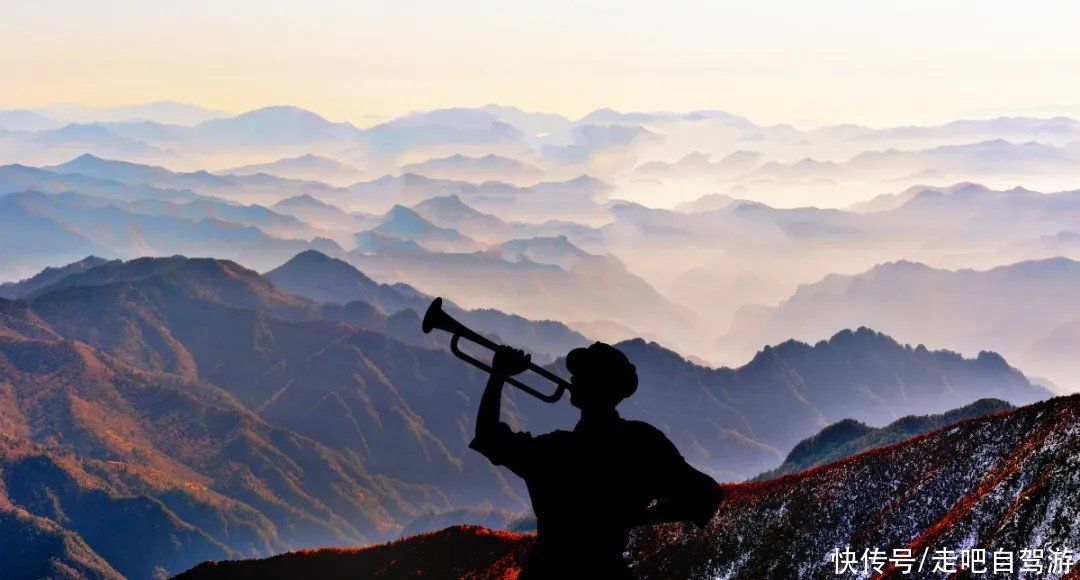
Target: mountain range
x,y
732,429
26,120
247,187
711,257
137,210
771,162
48,277
305,168
43,228
164,112
592,289
453,213
728,253
477,169
324,279
195,396
1023,310
158,410
403,223
992,158
850,437
131,219
154,471
742,420
324,215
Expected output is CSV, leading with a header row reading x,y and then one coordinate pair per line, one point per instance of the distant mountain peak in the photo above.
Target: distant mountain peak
x,y
203,273
277,125
586,180
165,112
451,205
859,339
707,202
89,158
477,169
401,219
446,201
312,256
302,263
900,266
862,335
305,199
305,167
1040,267
405,224
118,170
557,242
556,250
695,158
283,112
402,213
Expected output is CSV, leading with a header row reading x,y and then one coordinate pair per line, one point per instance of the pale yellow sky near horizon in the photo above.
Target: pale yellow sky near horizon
x,y
879,63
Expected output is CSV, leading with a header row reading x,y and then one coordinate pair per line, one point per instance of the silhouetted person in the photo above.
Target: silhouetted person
x,y
590,486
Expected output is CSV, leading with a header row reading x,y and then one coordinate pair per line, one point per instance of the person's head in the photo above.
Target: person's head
x,y
600,377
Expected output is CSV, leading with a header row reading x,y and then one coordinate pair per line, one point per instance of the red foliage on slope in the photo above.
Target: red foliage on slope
x,y
1004,481
466,552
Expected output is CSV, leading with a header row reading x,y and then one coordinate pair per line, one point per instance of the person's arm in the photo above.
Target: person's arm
x,y
662,512
685,494
495,439
701,503
506,362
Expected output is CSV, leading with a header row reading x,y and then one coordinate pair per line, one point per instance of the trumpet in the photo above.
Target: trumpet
x,y
436,317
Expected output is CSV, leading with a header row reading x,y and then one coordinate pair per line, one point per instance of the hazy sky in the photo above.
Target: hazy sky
x,y
863,61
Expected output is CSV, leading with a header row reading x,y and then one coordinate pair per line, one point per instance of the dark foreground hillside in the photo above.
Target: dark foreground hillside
x,y
457,552
1008,481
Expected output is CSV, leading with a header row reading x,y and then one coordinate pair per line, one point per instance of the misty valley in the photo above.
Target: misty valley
x,y
211,349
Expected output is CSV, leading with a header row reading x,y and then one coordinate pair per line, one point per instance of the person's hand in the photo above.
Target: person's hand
x,y
509,361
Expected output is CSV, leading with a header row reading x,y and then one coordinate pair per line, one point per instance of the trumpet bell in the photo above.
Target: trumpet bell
x,y
432,316
437,319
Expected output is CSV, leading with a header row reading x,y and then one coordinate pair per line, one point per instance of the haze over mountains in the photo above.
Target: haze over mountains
x,y
306,167
477,169
555,218
1027,310
655,158
767,281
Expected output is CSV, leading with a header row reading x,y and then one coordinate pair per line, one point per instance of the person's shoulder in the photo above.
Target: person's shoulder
x,y
554,436
649,440
644,430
